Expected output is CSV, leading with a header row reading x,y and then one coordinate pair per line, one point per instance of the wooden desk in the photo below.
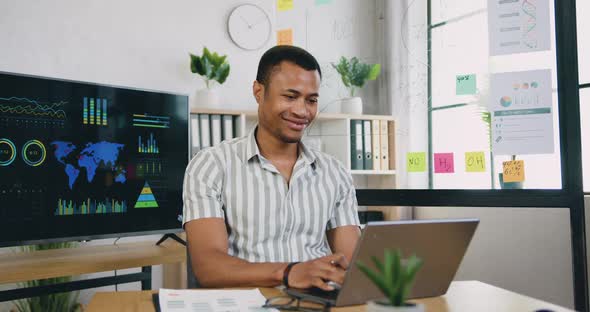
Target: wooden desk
x,y
25,266
467,296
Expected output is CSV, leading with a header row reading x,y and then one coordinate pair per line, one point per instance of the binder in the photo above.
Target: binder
x,y
356,145
391,140
383,133
367,146
205,132
376,126
215,129
228,127
195,135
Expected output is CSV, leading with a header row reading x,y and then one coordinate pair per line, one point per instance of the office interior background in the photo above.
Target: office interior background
x,y
422,46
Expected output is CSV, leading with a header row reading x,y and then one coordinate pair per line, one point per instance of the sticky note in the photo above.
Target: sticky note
x,y
320,2
444,163
284,5
475,162
513,171
285,37
466,84
416,162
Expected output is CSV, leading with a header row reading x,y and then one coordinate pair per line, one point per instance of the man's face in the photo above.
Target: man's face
x,y
288,103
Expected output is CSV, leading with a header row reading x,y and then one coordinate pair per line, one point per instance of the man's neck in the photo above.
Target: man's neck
x,y
272,148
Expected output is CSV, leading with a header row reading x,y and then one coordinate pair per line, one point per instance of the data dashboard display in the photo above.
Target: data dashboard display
x,y
87,160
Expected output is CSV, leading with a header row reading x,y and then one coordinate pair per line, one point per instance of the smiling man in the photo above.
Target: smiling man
x,y
265,209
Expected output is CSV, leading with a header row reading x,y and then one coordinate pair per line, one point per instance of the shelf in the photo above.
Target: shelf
x,y
372,172
320,116
25,266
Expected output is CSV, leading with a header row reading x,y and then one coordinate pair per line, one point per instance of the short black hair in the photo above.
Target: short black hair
x,y
277,54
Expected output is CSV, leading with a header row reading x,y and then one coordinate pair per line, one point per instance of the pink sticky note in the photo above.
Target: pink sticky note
x,y
444,163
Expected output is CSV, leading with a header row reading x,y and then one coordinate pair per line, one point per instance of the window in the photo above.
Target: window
x,y
460,46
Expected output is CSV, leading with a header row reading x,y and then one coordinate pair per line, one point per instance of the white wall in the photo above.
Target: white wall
x,y
145,44
525,250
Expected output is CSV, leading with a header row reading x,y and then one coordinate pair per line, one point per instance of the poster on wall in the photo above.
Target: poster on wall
x,y
522,113
518,26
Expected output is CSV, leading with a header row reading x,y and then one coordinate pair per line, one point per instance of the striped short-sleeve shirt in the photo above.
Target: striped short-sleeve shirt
x,y
267,219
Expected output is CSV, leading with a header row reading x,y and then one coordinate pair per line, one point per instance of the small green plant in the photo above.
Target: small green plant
x,y
393,278
211,66
61,302
355,74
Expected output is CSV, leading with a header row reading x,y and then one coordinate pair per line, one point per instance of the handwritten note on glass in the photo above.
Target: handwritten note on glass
x,y
416,162
475,162
466,84
444,163
513,171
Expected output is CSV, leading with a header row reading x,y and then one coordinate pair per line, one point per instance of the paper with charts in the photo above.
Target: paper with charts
x,y
518,26
202,300
522,112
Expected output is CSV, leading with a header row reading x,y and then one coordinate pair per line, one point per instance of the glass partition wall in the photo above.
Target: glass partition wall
x,y
485,99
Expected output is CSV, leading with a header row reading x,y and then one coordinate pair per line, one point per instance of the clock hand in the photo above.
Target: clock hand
x,y
263,19
245,21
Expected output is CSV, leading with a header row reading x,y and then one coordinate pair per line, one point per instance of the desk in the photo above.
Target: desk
x,y
462,296
25,266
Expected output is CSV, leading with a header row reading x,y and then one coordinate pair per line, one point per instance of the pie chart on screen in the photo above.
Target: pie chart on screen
x,y
505,101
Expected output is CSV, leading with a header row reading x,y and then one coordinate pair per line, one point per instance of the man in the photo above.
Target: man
x,y
265,209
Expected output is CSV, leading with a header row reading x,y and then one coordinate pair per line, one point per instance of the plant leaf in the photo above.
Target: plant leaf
x,y
377,263
208,67
374,72
414,264
222,73
374,277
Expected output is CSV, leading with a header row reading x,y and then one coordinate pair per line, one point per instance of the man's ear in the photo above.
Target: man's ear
x,y
258,91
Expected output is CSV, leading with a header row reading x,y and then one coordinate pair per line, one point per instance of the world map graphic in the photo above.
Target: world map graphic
x,y
93,155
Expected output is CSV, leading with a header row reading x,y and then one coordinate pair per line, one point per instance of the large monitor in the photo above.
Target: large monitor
x,y
82,161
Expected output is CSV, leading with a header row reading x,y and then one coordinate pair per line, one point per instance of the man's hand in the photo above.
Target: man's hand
x,y
316,273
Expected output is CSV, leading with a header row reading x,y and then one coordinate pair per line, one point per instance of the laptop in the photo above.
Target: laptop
x,y
441,244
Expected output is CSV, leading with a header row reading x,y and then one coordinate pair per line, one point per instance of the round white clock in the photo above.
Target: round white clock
x,y
249,26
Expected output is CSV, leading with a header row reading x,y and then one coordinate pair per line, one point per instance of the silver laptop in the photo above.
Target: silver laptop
x,y
441,244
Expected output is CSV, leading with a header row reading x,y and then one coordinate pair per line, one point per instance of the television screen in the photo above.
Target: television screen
x,y
81,161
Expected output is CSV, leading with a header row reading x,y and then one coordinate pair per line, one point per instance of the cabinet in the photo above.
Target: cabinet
x,y
331,133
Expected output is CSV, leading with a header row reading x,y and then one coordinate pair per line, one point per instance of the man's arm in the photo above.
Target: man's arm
x,y
213,267
343,240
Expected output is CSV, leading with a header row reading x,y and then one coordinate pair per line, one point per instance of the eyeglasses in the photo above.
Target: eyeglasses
x,y
287,303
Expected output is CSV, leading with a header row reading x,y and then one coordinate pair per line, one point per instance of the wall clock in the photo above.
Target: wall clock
x,y
249,26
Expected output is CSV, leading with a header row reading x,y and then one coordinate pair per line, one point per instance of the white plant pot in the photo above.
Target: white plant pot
x,y
206,98
376,306
353,105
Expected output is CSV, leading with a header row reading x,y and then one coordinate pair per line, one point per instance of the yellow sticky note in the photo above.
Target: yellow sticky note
x,y
285,37
284,5
513,171
416,162
475,162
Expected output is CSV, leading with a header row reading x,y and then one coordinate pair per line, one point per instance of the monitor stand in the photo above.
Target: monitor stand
x,y
172,236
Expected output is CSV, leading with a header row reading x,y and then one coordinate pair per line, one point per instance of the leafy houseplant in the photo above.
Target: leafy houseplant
x,y
60,302
212,68
395,278
354,75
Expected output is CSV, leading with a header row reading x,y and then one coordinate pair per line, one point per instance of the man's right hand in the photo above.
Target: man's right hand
x,y
317,273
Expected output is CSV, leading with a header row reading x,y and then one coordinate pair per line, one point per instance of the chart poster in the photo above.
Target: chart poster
x,y
518,26
522,113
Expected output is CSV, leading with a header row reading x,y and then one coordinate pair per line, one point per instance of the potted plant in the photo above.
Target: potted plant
x,y
395,278
354,75
212,68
